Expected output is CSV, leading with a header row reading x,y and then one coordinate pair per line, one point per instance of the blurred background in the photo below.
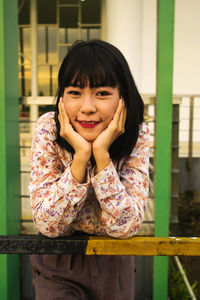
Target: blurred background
x,y
46,30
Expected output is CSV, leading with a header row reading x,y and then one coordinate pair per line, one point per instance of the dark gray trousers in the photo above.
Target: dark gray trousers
x,y
73,277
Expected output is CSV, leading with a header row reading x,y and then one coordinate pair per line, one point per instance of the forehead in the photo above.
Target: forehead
x,y
92,79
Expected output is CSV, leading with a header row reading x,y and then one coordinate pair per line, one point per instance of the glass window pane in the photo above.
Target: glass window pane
x,y
46,11
43,80
25,178
68,17
26,212
52,45
55,80
27,80
84,34
25,146
53,74
24,12
21,81
91,12
62,35
94,33
24,126
72,35
41,45
62,52
27,45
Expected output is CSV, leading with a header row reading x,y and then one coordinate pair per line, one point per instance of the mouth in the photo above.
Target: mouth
x,y
88,124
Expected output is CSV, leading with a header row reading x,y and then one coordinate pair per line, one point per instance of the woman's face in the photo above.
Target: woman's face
x,y
90,110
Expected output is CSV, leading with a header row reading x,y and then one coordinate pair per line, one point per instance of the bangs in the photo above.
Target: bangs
x,y
90,68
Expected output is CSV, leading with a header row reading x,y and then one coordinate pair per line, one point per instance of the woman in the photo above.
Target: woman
x,y
89,173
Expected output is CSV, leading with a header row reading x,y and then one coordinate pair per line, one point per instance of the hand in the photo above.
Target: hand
x,y
115,128
81,146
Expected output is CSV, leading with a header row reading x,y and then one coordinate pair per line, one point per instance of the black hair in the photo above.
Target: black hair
x,y
101,64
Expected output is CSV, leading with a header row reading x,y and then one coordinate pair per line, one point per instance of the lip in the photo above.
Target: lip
x,y
84,124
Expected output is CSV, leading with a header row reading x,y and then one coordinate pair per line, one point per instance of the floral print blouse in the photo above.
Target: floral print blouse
x,y
111,202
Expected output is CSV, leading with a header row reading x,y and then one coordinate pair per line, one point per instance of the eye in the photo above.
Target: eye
x,y
103,93
74,93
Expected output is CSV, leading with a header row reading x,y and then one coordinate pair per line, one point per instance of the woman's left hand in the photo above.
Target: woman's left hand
x,y
115,128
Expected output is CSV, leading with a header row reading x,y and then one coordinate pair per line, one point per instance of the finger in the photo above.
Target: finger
x,y
63,114
60,107
121,114
63,119
122,120
60,111
118,112
124,114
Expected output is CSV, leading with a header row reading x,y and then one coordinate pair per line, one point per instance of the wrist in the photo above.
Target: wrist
x,y
79,168
82,156
81,159
100,152
102,159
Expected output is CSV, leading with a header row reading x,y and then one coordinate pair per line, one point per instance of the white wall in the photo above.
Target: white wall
x,y
149,23
186,47
124,30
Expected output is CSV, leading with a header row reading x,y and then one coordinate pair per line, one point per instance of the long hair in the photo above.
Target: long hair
x,y
99,63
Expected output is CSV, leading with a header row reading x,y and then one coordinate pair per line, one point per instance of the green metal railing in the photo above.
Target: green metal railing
x,y
9,146
163,134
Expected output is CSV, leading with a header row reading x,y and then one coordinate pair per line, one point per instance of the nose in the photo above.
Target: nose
x,y
88,105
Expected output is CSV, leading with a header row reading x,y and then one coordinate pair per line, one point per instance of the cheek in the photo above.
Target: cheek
x,y
69,110
110,111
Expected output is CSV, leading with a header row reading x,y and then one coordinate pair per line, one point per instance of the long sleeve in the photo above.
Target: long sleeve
x,y
56,197
123,196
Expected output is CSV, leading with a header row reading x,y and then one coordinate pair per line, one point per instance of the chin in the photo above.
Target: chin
x,y
89,139
89,136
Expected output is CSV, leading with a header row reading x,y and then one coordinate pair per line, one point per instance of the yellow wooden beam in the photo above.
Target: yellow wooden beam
x,y
93,245
169,246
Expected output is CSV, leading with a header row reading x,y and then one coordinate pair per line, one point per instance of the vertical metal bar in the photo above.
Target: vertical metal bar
x,y
34,113
79,20
165,29
190,144
51,80
21,40
58,32
46,45
9,145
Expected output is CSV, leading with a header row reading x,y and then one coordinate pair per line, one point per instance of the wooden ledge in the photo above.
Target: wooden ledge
x,y
93,245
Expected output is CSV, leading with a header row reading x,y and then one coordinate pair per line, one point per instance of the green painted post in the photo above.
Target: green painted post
x,y
9,146
165,36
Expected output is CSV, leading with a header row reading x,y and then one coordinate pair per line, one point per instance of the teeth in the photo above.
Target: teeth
x,y
89,122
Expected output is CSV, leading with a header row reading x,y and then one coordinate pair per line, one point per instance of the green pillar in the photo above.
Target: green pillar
x,y
165,34
9,146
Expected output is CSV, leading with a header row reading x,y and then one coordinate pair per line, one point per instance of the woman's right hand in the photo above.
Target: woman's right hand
x,y
81,147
